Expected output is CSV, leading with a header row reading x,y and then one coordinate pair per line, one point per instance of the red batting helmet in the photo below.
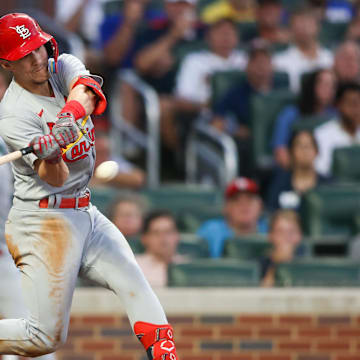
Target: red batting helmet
x,y
20,34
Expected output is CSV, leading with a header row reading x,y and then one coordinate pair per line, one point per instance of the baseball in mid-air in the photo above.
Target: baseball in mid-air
x,y
107,170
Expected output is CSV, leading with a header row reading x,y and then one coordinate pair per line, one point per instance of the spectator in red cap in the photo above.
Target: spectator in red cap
x,y
242,216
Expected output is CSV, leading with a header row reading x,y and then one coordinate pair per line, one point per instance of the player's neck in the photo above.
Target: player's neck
x,y
43,89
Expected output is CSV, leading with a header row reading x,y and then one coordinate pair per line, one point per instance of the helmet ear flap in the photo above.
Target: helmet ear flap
x,y
53,51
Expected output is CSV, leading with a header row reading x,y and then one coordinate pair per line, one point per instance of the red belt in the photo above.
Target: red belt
x,y
67,203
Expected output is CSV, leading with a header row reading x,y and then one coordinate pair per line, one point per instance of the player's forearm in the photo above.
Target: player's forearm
x,y
53,174
84,96
150,56
117,48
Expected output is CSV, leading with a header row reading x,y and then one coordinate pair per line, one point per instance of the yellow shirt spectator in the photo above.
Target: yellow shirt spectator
x,y
236,10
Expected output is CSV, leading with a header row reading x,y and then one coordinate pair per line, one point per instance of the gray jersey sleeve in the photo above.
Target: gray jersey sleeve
x,y
17,132
68,68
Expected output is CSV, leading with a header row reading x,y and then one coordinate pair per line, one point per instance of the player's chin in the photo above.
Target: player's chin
x,y
41,76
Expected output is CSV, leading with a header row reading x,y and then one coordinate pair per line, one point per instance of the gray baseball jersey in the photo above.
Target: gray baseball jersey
x,y
24,115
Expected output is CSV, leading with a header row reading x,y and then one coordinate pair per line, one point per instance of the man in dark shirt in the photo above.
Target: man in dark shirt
x,y
232,111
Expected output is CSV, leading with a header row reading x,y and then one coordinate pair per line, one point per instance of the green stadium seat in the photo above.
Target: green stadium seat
x,y
222,81
264,111
326,246
331,210
247,248
309,123
345,164
332,34
214,273
193,246
176,198
190,245
315,272
257,247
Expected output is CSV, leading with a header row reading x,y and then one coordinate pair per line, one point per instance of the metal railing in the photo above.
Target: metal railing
x,y
215,150
125,131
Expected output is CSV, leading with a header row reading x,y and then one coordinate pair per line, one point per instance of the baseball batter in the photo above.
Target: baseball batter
x,y
53,232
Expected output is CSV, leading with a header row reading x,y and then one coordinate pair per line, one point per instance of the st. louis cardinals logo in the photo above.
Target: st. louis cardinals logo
x,y
22,30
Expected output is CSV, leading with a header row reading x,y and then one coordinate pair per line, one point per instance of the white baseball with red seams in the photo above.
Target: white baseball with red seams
x,y
51,246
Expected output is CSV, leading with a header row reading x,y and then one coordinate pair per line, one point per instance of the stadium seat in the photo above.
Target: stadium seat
x,y
264,111
247,248
315,272
309,123
176,198
222,81
217,273
344,164
325,246
331,210
190,245
331,34
193,246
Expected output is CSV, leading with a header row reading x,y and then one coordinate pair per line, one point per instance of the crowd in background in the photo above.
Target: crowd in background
x,y
176,46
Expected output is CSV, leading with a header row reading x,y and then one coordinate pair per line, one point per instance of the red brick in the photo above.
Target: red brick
x,y
348,332
236,332
274,332
333,345
292,319
274,357
237,357
97,345
334,320
196,357
294,346
181,345
314,332
89,320
181,319
313,357
117,357
255,319
197,332
348,357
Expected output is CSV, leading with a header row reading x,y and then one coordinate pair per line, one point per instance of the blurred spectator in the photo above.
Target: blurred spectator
x,y
193,87
316,98
127,212
160,238
118,32
285,235
288,186
155,59
232,111
347,62
305,54
114,170
242,216
83,17
269,17
239,11
333,11
342,131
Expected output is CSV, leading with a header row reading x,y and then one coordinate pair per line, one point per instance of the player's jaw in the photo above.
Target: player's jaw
x,y
31,70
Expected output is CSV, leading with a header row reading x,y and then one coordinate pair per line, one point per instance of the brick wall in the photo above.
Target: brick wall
x,y
222,337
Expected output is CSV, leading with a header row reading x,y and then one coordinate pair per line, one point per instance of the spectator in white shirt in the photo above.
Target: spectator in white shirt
x,y
341,132
193,85
193,89
305,54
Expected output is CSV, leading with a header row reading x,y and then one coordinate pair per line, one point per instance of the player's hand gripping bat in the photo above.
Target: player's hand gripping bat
x,y
17,154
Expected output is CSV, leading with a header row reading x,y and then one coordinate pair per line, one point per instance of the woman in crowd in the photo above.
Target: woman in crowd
x,y
316,98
